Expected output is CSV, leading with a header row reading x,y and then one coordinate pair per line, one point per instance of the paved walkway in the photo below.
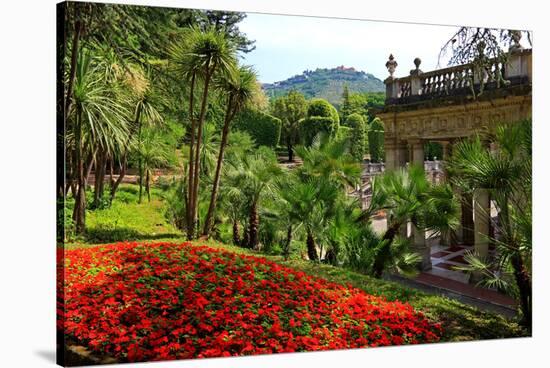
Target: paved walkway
x,y
446,278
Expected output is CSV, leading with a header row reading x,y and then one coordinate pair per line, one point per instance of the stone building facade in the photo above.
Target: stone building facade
x,y
448,105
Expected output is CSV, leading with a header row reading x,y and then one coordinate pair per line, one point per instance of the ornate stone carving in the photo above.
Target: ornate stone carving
x,y
391,64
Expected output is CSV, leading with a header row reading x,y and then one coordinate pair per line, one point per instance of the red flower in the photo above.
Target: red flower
x,y
172,301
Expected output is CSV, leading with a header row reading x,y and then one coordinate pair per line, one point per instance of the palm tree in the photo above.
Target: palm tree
x,y
153,152
310,203
328,170
506,174
407,195
330,159
239,90
256,174
98,119
198,58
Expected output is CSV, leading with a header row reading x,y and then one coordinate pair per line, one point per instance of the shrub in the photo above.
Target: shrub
x,y
376,140
320,107
263,128
321,117
358,136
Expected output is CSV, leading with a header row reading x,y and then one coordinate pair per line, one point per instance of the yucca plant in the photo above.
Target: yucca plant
x,y
98,119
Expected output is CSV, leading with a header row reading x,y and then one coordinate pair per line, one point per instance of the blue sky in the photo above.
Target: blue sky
x,y
288,45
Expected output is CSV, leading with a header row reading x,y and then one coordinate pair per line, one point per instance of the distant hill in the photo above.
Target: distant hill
x,y
326,83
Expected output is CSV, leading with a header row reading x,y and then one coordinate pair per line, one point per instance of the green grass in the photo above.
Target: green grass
x,y
128,220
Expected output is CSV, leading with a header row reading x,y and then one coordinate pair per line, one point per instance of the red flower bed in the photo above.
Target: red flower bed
x,y
174,301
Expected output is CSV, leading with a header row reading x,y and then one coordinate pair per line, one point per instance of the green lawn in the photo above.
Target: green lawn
x,y
128,220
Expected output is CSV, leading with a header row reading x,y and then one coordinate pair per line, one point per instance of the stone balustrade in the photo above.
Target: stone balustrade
x,y
459,80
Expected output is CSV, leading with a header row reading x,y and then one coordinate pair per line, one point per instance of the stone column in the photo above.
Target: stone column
x,y
467,219
482,216
402,159
419,235
445,239
391,151
446,155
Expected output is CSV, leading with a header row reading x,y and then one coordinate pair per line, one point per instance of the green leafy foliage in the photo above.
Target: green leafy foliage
x,y
376,140
358,136
322,117
263,128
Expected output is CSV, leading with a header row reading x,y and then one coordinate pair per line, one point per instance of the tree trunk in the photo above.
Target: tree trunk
x,y
148,185
289,150
72,71
140,164
196,168
121,173
524,286
236,233
311,248
253,226
111,171
91,163
383,254
286,251
215,186
79,212
189,204
99,177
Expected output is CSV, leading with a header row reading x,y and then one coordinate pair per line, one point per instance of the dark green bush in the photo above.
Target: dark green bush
x,y
376,140
263,128
358,136
311,127
321,117
320,107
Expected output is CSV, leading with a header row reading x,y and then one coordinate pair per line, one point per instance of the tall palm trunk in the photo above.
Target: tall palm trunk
x,y
523,282
148,185
521,275
236,233
91,163
253,226
140,163
100,166
121,173
79,212
197,157
311,248
215,186
189,209
384,252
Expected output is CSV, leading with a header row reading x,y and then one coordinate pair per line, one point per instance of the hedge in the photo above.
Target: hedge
x,y
321,117
376,140
263,128
358,138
